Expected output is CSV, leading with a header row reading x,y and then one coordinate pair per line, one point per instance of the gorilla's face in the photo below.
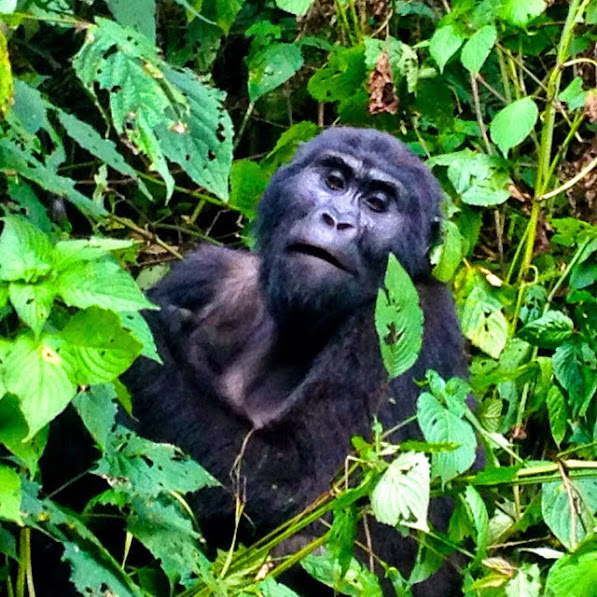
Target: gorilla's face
x,y
329,220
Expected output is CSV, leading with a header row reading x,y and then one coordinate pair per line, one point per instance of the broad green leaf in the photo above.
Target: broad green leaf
x,y
97,409
287,144
47,387
272,588
10,495
479,179
199,136
440,425
444,44
402,494
398,320
357,582
296,7
447,257
33,302
136,324
512,124
479,519
574,95
247,183
83,284
168,534
483,322
68,252
104,149
137,466
94,572
271,67
97,346
560,503
521,12
526,582
14,430
477,48
25,251
222,12
342,536
24,196
575,367
558,414
341,77
549,331
165,113
140,15
573,575
13,159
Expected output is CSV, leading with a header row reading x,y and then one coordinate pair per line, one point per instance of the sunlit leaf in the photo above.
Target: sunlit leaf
x,y
512,124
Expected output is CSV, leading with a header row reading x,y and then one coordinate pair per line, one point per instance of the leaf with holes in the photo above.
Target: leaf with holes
x,y
402,494
32,302
398,320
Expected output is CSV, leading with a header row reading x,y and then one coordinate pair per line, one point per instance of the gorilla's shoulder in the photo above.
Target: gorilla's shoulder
x,y
209,274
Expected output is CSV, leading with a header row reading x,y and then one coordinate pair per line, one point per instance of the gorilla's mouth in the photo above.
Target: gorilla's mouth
x,y
319,253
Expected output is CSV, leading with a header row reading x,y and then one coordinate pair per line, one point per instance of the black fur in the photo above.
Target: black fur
x,y
282,343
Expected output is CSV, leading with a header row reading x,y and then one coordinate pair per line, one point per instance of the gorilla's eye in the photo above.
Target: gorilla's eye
x,y
335,180
378,202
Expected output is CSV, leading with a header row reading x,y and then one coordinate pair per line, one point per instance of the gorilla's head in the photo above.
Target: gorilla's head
x,y
329,219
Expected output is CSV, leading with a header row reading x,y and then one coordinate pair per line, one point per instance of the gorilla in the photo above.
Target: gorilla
x,y
274,354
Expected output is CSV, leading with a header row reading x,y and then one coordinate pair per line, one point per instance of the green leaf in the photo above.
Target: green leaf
x,y
10,495
68,252
575,367
479,179
341,77
574,95
513,124
247,183
14,159
94,572
448,255
165,113
477,48
97,409
444,44
479,518
168,534
140,15
573,575
358,580
104,149
526,582
287,144
25,251
137,466
558,414
398,320
14,430
271,67
402,494
562,502
296,7
548,331
440,425
83,284
136,324
97,346
483,322
32,302
342,537
47,387
521,12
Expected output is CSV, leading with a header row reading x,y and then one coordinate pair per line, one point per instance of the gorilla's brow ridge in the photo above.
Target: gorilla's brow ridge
x,y
377,178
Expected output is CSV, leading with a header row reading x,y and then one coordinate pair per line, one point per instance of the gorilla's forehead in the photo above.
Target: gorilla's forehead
x,y
362,148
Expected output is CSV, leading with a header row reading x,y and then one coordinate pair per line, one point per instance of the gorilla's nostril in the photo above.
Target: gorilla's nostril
x,y
328,219
344,226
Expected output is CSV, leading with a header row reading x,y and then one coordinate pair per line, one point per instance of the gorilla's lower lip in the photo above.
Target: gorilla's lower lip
x,y
319,253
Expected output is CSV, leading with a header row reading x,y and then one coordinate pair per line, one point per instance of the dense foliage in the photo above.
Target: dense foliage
x,y
131,129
